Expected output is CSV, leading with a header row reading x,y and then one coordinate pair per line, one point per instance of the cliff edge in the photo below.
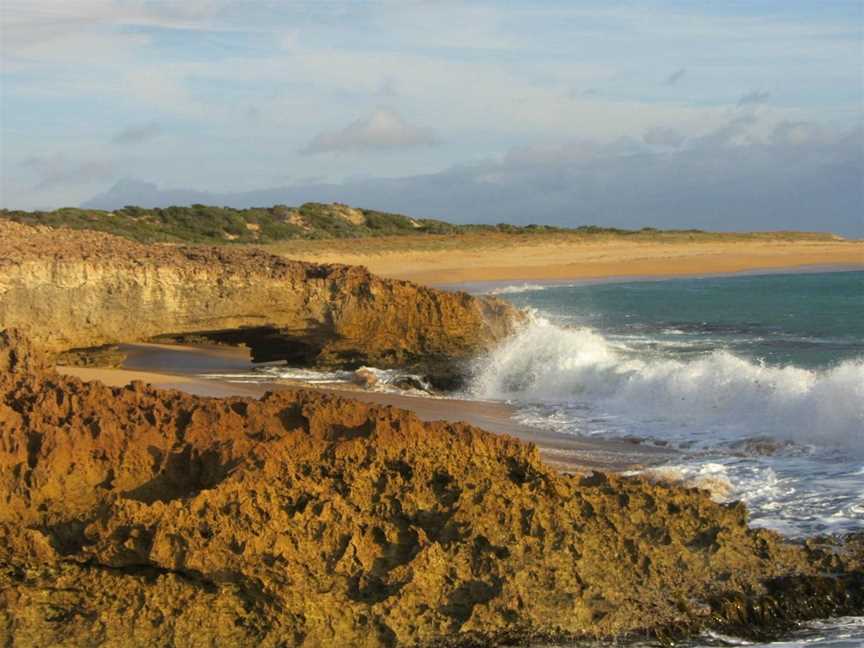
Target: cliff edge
x,y
77,289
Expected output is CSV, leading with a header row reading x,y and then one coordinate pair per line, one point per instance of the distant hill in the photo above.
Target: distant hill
x,y
207,224
225,225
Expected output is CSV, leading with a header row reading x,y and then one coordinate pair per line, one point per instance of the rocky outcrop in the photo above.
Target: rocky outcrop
x,y
140,517
76,289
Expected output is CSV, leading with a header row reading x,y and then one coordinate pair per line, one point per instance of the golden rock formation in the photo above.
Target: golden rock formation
x,y
141,517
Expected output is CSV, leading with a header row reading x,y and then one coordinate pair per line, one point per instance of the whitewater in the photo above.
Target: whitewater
x,y
758,382
719,396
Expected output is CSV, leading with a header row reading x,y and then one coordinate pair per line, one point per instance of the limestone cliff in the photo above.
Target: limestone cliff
x,y
73,289
140,517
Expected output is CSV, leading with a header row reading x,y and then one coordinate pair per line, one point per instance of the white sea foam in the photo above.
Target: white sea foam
x,y
267,374
712,477
718,395
385,379
518,288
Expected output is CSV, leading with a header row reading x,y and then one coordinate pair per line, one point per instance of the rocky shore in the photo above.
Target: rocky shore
x,y
143,517
80,289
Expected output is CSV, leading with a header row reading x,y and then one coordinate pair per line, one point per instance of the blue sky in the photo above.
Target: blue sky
x,y
614,112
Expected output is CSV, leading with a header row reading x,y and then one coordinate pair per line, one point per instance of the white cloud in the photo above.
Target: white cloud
x,y
26,20
165,91
513,96
384,129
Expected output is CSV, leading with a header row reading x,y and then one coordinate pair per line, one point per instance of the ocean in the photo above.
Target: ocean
x,y
758,380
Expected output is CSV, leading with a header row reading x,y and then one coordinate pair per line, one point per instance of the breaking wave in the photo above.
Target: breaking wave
x,y
520,288
717,394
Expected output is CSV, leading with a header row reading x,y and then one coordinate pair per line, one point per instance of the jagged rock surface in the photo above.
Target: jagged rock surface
x,y
143,517
78,289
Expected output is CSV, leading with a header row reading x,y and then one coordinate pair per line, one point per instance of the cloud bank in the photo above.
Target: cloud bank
x,y
792,177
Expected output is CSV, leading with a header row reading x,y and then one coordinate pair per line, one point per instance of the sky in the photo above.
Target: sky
x,y
717,115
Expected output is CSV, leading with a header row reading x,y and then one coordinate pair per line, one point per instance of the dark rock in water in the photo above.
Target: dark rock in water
x,y
760,446
634,439
770,614
445,375
364,378
410,382
143,517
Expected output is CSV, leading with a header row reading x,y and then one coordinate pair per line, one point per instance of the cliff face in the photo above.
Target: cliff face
x,y
71,289
140,517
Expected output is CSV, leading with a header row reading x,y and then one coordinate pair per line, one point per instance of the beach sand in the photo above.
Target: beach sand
x,y
441,261
180,367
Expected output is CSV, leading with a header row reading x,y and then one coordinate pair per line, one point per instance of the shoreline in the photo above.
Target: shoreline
x,y
625,271
490,287
180,367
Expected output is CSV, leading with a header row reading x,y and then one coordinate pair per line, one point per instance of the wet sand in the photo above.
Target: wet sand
x,y
170,366
180,367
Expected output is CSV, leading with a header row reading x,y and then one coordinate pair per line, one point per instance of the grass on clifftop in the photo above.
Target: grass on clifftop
x,y
318,221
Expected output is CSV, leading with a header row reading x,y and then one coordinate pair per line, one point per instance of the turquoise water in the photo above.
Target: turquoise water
x,y
808,320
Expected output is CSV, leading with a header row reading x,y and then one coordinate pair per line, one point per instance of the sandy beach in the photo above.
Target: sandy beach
x,y
497,258
181,367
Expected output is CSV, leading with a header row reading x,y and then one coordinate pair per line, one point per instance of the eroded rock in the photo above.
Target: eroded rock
x,y
108,355
144,517
80,289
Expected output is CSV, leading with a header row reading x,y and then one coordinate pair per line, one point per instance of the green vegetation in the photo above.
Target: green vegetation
x,y
205,224
311,221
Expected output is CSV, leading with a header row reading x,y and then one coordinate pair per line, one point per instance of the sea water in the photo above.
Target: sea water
x,y
757,380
